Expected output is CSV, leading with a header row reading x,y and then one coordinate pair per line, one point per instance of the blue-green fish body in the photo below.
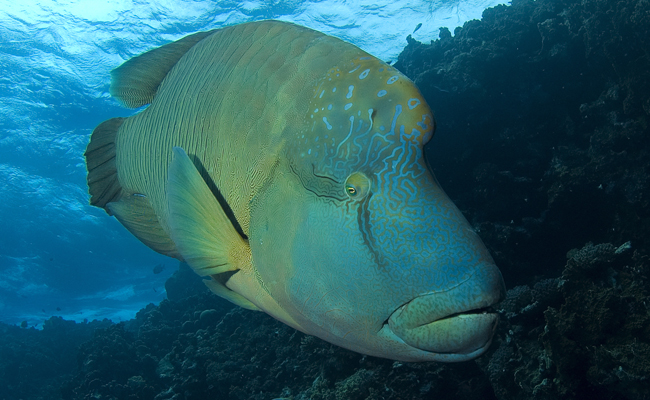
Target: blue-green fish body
x,y
288,166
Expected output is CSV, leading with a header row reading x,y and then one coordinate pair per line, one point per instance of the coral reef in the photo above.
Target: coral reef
x,y
586,333
34,362
542,111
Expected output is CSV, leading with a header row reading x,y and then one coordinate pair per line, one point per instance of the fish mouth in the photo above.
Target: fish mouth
x,y
457,323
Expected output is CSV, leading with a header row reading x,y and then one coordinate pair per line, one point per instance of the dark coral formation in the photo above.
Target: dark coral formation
x,y
542,111
584,334
542,141
34,362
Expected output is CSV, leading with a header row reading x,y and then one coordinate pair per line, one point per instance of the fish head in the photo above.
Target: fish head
x,y
370,253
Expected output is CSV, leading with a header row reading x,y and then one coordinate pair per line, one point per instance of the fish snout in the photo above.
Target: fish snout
x,y
456,323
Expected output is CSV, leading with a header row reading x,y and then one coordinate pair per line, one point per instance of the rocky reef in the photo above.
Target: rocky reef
x,y
543,142
583,334
33,363
542,111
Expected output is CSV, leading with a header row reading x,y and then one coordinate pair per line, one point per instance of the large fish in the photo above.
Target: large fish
x,y
288,166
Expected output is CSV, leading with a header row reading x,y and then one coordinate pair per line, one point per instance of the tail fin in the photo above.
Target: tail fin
x,y
133,210
100,162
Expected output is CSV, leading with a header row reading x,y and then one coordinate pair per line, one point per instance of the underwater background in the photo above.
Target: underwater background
x,y
542,110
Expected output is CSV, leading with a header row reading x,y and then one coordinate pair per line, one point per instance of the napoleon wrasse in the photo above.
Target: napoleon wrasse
x,y
288,166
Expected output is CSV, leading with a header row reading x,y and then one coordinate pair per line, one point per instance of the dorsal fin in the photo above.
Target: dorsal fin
x,y
135,82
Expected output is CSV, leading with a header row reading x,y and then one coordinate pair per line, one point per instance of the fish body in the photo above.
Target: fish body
x,y
288,166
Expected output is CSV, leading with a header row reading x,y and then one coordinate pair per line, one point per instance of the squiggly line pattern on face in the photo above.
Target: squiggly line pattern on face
x,y
367,117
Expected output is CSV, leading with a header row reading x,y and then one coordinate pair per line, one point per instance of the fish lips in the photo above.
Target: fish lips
x,y
458,323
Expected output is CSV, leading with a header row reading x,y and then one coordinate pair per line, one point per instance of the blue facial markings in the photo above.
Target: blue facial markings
x,y
423,124
350,89
369,126
412,103
398,111
370,111
348,136
360,122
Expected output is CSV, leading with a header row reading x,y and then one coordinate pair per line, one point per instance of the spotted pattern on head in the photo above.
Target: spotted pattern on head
x,y
364,116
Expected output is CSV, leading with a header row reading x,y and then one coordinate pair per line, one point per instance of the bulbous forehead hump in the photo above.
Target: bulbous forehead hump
x,y
359,114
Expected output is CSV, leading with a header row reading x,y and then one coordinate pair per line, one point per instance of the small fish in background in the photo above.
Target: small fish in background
x,y
158,268
58,309
417,27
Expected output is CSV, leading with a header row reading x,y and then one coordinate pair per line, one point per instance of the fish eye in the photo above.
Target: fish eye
x,y
357,185
352,191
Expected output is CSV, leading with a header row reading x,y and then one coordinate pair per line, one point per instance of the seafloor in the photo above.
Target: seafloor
x,y
543,142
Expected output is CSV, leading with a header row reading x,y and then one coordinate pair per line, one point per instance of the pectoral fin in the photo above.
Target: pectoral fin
x,y
203,233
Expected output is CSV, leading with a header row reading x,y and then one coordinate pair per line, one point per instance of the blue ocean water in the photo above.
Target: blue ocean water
x,y
58,255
